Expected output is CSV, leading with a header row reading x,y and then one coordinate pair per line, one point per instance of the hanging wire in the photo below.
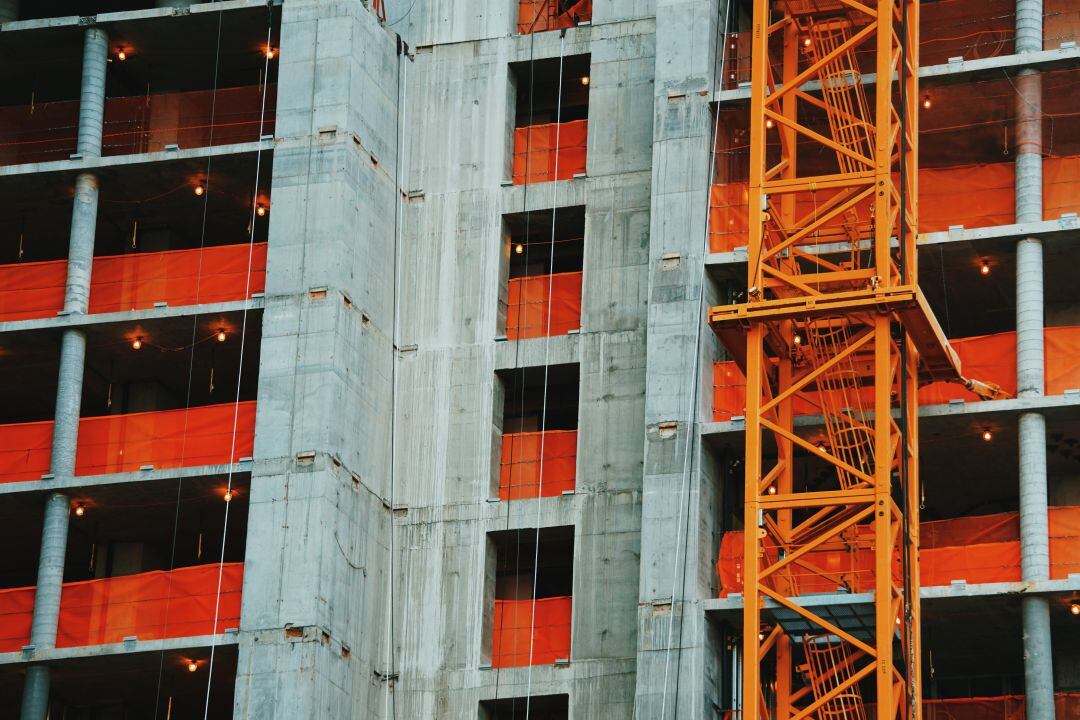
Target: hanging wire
x,y
683,517
240,369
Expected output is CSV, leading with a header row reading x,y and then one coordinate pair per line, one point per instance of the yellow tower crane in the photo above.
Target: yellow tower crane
x,y
833,317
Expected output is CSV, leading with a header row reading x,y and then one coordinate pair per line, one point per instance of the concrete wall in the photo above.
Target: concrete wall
x,y
317,550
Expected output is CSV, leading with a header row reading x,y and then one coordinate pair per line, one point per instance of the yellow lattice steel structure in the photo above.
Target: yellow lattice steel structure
x,y
833,318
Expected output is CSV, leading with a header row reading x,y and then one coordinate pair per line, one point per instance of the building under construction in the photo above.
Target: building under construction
x,y
540,359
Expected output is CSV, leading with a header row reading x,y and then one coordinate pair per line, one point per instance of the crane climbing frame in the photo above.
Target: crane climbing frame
x,y
833,315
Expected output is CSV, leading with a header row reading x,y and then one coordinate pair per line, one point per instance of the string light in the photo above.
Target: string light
x,y
121,55
585,80
1074,608
80,510
228,495
926,102
200,188
270,52
220,335
518,249
984,268
987,436
136,344
260,210
192,666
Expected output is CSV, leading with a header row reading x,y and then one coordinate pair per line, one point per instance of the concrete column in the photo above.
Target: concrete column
x,y
92,94
1030,367
81,243
9,10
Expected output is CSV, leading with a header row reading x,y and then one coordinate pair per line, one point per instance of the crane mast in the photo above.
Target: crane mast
x,y
832,318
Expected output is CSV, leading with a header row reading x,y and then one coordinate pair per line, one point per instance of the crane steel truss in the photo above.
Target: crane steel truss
x,y
833,317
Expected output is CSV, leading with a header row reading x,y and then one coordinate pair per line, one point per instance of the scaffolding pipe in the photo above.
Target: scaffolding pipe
x,y
9,10
92,93
1030,365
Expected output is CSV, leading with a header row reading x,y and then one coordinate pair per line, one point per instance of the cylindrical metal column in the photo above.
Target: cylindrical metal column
x,y
9,10
1030,371
92,94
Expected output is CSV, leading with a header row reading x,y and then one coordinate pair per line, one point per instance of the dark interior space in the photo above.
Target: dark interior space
x,y
526,390
535,237
530,558
537,707
538,90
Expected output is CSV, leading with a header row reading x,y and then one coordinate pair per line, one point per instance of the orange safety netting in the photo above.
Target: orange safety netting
x,y
980,549
974,196
146,123
519,469
541,15
527,313
149,606
137,281
541,626
555,151
990,358
123,443
1006,707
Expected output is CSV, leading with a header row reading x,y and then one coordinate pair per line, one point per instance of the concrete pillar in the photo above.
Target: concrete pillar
x,y
35,699
81,243
92,94
1030,367
9,10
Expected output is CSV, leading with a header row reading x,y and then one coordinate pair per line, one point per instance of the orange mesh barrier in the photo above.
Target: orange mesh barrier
x,y
538,149
122,443
519,470
1061,185
149,606
137,281
527,311
986,357
1061,23
516,628
541,15
147,123
178,277
982,549
1004,707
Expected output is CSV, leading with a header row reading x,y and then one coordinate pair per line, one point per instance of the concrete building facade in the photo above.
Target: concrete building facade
x,y
291,430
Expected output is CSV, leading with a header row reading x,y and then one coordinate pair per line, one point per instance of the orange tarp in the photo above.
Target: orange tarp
x,y
123,443
149,606
541,15
519,471
529,315
969,195
142,123
989,358
542,626
981,549
137,281
550,152
1006,707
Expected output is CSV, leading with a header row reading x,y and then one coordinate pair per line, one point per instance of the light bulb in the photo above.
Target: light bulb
x,y
220,335
199,189
807,42
926,102
260,210
797,339
584,79
121,55
80,510
192,666
821,446
987,435
984,268
1075,608
518,249
228,496
270,53
772,489
136,344
769,123
760,636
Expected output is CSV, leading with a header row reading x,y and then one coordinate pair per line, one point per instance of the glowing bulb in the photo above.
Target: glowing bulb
x,y
192,666
797,339
136,344
584,79
80,510
518,249
772,489
769,123
926,102
260,210
121,55
220,335
987,436
228,496
807,42
270,53
1075,608
984,268
821,446
199,189
760,636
